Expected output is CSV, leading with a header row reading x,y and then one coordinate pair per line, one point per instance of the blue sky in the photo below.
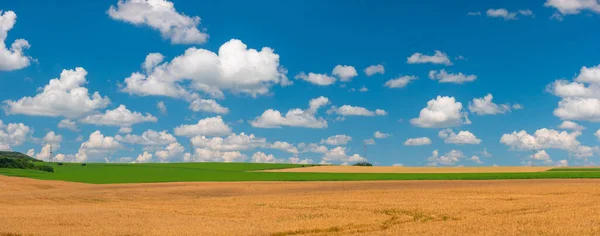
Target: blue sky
x,y
239,62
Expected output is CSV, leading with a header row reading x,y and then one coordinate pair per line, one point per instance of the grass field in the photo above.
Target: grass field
x,y
98,173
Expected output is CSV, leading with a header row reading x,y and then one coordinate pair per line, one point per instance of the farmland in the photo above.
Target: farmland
x,y
477,207
100,173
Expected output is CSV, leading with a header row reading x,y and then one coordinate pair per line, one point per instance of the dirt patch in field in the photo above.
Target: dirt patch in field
x,y
394,169
495,207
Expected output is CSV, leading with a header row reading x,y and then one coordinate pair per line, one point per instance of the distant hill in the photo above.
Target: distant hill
x,y
17,155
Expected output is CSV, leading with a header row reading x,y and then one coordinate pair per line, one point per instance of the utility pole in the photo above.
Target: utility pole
x,y
50,157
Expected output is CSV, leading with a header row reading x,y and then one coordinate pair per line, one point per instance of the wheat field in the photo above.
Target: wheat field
x,y
497,207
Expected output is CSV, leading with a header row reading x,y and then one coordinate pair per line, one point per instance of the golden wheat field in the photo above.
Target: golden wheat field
x,y
400,169
499,207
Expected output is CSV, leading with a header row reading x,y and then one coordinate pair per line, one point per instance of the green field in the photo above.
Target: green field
x,y
98,173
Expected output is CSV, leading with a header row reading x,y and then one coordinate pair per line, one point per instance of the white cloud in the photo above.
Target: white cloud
x,y
13,134
579,109
125,130
485,106
338,155
441,112
369,141
438,57
525,12
541,155
517,106
294,117
374,69
148,138
363,89
501,13
417,141
337,140
348,110
546,139
97,144
160,15
208,105
485,153
64,96
260,157
211,126
345,73
312,147
597,134
381,135
450,158
52,137
284,146
562,163
570,125
476,159
161,107
144,157
463,137
206,155
474,13
173,150
400,82
317,79
572,7
296,160
11,58
235,68
443,77
68,124
120,116
232,142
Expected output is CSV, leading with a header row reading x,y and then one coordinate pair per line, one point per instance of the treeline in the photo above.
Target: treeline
x,y
21,163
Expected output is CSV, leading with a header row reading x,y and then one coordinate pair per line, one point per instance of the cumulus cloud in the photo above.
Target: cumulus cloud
x,y
369,141
345,73
444,77
337,140
148,138
207,155
161,107
381,135
235,68
294,117
501,13
579,109
441,112
232,142
68,124
348,110
338,155
261,157
476,159
450,158
312,147
208,105
580,98
463,137
211,126
400,82
438,57
13,134
120,116
12,58
548,139
317,79
173,150
417,141
570,125
572,7
485,106
474,13
97,144
144,157
64,96
374,69
160,15
52,137
284,146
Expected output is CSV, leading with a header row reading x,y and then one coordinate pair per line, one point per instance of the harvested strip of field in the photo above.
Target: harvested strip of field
x,y
393,169
497,207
